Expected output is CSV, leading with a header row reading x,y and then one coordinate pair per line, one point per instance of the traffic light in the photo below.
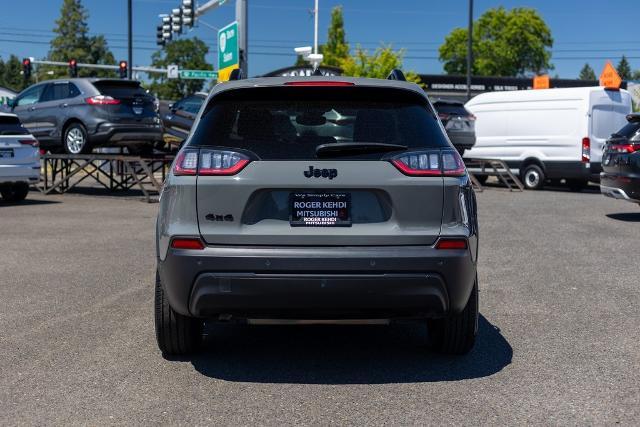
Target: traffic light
x,y
26,68
73,68
187,13
159,36
176,20
166,28
123,69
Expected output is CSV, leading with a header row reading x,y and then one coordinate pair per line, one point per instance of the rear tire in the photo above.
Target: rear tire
x,y
76,140
15,192
533,177
176,334
456,334
482,179
577,184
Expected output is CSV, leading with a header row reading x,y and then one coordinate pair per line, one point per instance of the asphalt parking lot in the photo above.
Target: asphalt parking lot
x,y
558,342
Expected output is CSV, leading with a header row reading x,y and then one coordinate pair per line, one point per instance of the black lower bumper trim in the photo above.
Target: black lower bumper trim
x,y
326,296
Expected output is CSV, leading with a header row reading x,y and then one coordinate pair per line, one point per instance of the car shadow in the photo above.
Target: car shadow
x,y
28,202
625,216
338,354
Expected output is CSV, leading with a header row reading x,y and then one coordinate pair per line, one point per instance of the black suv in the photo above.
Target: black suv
x,y
76,115
458,122
178,118
620,178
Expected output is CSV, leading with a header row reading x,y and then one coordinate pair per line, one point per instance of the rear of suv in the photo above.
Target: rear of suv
x,y
266,216
19,159
458,122
620,178
76,115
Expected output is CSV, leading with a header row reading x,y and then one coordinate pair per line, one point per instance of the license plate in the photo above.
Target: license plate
x,y
137,110
320,210
6,153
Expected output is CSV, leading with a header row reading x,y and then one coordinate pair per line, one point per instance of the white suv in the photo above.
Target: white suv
x,y
19,159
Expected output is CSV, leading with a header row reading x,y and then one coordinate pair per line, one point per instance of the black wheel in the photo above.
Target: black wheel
x,y
176,334
456,334
577,184
75,139
482,179
532,177
15,192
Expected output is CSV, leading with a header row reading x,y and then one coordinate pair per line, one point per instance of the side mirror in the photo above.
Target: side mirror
x,y
11,102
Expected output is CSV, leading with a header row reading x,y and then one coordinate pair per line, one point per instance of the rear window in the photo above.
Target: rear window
x,y
11,126
454,109
288,123
119,90
630,131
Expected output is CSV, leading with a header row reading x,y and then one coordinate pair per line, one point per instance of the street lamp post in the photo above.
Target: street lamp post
x,y
130,38
469,49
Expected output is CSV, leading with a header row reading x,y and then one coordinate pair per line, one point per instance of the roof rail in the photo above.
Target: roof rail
x,y
396,74
236,74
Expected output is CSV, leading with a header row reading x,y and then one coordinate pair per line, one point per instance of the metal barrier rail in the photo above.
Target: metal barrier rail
x,y
114,172
492,167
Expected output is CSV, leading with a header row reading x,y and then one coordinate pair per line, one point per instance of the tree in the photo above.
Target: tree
x,y
187,54
623,68
12,74
73,42
587,73
337,49
377,65
505,43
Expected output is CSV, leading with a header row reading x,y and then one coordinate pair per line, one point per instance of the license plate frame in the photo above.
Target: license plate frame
x,y
309,214
6,153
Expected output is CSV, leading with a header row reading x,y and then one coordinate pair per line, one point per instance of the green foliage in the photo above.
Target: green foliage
x,y
10,74
188,54
73,42
337,49
505,43
635,75
377,65
587,73
623,68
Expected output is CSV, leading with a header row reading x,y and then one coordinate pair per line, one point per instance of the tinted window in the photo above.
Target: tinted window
x,y
10,125
191,104
30,96
119,90
289,123
56,91
630,131
455,109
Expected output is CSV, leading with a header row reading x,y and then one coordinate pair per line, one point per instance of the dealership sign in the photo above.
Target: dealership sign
x,y
228,53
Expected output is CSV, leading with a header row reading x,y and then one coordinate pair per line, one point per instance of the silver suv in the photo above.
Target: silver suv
x,y
317,198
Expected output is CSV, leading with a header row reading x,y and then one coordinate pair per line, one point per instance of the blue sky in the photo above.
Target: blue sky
x,y
584,30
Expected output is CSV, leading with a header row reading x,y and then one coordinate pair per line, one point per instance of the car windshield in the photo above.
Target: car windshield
x,y
455,109
119,90
290,123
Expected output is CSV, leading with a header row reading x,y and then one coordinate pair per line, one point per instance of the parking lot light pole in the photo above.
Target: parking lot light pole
x,y
130,38
469,49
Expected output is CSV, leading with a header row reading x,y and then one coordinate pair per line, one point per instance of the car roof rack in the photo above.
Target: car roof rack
x,y
397,74
236,74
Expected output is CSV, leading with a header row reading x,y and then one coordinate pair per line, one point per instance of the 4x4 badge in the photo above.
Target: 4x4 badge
x,y
321,173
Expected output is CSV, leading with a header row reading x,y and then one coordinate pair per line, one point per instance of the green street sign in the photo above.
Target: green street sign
x,y
198,74
228,55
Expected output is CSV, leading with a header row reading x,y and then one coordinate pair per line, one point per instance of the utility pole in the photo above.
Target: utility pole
x,y
315,29
243,46
130,38
469,49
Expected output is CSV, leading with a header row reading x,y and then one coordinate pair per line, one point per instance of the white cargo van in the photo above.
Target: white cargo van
x,y
548,134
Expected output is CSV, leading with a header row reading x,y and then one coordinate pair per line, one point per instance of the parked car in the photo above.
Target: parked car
x,y
178,118
550,133
266,217
620,178
76,115
19,159
458,122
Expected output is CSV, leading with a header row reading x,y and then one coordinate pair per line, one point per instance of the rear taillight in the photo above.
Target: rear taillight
x,y
209,162
102,100
586,150
624,148
451,243
31,142
192,243
430,163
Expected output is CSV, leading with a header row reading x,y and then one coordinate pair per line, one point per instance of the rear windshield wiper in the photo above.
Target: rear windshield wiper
x,y
350,148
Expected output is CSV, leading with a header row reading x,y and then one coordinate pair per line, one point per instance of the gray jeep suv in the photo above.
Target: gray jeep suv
x,y
267,217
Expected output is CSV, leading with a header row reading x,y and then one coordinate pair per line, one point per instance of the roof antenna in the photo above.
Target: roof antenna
x,y
236,74
397,74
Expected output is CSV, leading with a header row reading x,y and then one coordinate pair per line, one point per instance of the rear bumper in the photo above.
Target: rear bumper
x,y
318,283
620,187
464,140
110,133
20,173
